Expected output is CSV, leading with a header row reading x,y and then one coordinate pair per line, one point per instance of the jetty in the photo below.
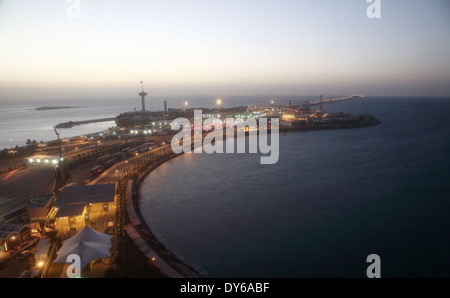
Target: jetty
x,y
71,124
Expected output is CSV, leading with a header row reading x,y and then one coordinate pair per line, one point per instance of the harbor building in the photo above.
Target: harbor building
x,y
85,205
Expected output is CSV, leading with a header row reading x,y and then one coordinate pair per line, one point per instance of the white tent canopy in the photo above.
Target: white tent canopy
x,y
88,244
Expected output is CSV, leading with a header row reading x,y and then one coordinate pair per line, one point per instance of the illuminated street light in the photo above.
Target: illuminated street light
x,y
13,153
59,144
60,158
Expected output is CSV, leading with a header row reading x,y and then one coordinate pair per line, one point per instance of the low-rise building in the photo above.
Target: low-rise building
x,y
81,205
40,211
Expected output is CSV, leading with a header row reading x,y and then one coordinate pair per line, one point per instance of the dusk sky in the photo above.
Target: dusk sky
x,y
229,47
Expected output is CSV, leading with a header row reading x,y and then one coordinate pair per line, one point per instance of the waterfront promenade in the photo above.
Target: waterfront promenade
x,y
143,237
139,241
154,251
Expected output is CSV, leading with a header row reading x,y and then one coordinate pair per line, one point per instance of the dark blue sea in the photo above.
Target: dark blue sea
x,y
333,198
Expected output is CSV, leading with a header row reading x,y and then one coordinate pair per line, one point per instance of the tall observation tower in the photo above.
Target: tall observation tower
x,y
142,94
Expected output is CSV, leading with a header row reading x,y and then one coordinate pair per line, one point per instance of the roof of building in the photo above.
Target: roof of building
x,y
70,210
41,201
73,199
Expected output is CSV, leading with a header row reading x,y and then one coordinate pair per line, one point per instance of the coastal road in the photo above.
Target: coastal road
x,y
20,185
114,173
80,174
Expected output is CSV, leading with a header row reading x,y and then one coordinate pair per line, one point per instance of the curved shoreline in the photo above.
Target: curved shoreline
x,y
147,234
151,239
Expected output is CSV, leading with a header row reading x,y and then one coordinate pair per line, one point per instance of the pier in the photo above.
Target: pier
x,y
71,124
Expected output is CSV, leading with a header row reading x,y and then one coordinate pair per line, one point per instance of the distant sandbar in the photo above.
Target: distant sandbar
x,y
54,108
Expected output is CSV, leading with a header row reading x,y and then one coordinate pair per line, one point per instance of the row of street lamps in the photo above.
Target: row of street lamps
x,y
219,102
13,152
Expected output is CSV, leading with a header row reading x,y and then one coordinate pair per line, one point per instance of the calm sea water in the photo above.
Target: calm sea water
x,y
19,120
333,198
